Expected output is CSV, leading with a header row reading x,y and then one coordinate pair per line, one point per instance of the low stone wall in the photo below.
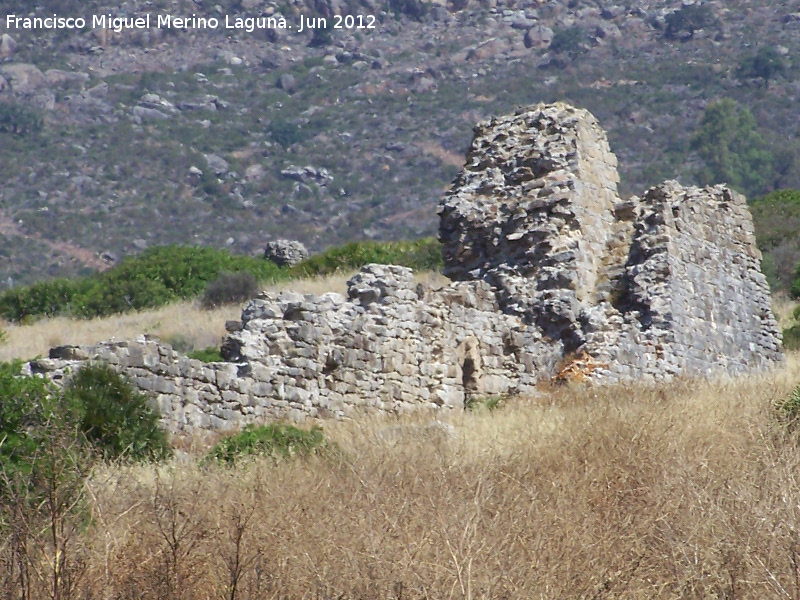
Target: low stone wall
x,y
556,277
390,347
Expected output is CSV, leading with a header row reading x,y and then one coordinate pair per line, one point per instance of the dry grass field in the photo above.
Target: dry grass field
x,y
684,491
186,322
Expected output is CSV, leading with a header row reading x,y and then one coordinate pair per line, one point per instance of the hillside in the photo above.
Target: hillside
x,y
115,143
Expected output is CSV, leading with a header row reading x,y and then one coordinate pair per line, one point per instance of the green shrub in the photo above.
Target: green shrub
x,y
488,403
765,64
115,418
50,437
789,409
277,440
571,41
26,405
159,275
18,119
791,338
49,298
688,19
164,274
229,288
420,255
209,354
776,218
416,9
285,133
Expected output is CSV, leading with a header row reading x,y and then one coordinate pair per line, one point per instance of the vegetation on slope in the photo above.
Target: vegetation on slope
x,y
166,274
390,137
776,217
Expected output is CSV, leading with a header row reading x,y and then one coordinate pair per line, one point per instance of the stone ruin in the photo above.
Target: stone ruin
x,y
554,277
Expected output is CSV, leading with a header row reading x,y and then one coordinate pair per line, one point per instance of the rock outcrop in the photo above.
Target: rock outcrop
x,y
554,277
285,253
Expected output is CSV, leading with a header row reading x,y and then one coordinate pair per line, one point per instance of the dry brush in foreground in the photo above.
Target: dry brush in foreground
x,y
687,491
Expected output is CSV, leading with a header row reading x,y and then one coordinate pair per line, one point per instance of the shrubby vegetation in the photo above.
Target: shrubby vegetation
x,y
416,9
571,42
688,19
285,133
732,149
158,276
420,255
98,410
680,491
50,441
278,440
115,418
164,274
209,354
18,119
777,223
229,288
765,64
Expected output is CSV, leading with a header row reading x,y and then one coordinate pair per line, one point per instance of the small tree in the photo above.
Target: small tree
x,y
114,417
571,42
732,149
688,19
765,64
43,466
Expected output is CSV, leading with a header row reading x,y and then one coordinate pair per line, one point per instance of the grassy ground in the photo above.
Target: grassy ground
x,y
678,492
686,491
184,324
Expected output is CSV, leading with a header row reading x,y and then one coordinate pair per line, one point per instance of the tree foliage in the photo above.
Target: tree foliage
x,y
765,64
18,119
776,217
115,418
158,276
165,274
50,440
571,42
688,19
99,409
732,149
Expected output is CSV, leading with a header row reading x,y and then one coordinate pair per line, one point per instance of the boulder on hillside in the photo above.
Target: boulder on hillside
x,y
285,253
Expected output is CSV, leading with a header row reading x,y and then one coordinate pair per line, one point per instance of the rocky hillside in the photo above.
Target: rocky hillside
x,y
113,142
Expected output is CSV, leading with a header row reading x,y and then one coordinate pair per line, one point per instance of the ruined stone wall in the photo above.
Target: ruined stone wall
x,y
692,298
555,275
390,347
666,285
533,213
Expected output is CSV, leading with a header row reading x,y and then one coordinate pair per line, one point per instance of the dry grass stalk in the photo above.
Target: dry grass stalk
x,y
681,491
685,491
185,321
